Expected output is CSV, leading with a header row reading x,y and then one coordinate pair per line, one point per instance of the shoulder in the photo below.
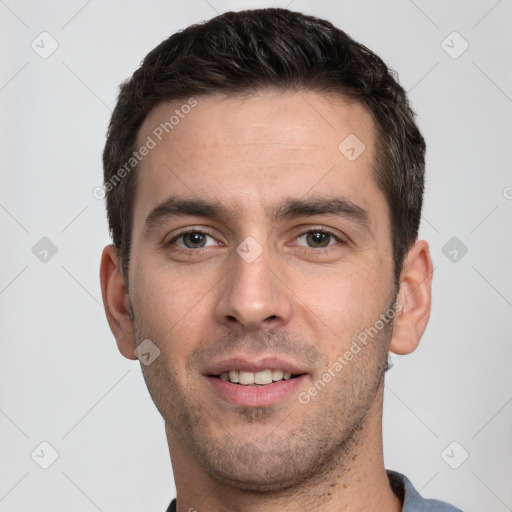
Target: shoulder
x,y
413,501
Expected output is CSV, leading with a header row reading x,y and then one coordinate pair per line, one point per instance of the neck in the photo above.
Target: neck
x,y
355,481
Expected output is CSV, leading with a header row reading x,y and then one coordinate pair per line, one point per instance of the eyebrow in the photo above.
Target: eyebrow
x,y
340,206
173,207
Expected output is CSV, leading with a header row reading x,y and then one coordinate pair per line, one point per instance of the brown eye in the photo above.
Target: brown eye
x,y
317,239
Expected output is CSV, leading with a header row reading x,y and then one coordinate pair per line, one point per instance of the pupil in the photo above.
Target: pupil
x,y
318,239
194,240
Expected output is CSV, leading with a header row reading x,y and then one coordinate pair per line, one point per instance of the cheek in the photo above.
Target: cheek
x,y
171,307
175,318
343,298
338,307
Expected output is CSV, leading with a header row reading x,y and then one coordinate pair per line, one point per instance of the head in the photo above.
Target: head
x,y
249,51
244,229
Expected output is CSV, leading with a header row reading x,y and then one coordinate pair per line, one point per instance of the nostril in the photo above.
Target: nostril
x,y
272,317
231,318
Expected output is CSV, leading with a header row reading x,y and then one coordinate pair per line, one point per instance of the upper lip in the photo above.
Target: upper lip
x,y
254,364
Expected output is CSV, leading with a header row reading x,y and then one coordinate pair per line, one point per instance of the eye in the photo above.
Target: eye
x,y
317,239
194,240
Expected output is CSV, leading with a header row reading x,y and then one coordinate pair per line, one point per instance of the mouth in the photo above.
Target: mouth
x,y
257,379
255,383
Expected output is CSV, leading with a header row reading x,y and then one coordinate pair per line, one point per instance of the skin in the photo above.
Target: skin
x,y
305,304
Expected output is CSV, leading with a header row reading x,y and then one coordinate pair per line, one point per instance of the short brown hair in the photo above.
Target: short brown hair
x,y
246,51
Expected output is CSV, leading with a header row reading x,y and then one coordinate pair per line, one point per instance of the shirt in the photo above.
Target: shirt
x,y
403,488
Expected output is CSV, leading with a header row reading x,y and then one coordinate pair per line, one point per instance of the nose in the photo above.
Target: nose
x,y
253,295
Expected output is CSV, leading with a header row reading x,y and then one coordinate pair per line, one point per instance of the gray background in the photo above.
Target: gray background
x,y
62,380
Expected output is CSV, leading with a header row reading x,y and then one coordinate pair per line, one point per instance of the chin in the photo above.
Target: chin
x,y
255,480
262,466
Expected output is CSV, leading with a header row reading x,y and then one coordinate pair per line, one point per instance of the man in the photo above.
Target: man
x,y
264,181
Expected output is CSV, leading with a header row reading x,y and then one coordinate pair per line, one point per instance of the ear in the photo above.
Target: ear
x,y
117,302
414,299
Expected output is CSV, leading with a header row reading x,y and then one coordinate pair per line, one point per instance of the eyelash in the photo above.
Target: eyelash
x,y
326,231
202,231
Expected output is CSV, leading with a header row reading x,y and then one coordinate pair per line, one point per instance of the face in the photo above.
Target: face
x,y
258,245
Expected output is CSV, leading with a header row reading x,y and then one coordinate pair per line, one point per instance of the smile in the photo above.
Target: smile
x,y
259,378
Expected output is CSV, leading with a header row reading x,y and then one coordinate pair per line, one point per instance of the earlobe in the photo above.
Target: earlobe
x,y
117,302
414,299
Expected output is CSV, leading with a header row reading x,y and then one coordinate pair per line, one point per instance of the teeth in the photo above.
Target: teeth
x,y
259,378
277,374
246,377
263,377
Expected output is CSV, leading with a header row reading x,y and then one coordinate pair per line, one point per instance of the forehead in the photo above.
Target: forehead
x,y
249,150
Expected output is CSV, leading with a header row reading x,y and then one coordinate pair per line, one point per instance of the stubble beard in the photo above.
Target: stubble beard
x,y
329,435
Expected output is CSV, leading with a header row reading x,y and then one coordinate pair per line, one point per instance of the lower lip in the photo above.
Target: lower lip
x,y
256,397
